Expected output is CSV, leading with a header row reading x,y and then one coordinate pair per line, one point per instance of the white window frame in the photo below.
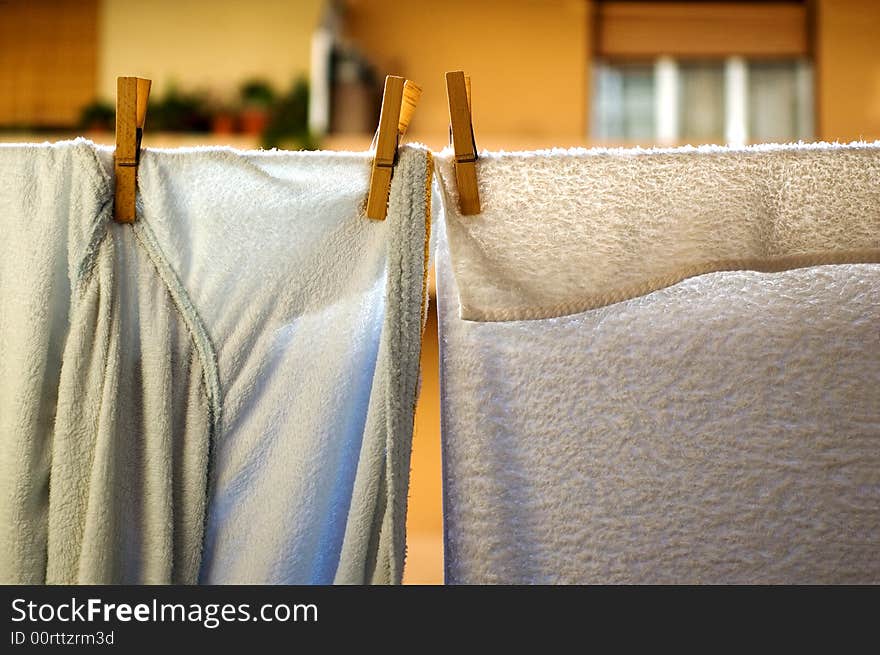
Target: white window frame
x,y
667,128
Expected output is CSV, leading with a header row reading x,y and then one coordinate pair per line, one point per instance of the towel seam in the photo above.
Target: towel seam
x,y
145,237
204,348
103,188
775,264
429,177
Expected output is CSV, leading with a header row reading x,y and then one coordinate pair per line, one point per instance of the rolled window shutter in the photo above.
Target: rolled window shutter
x,y
638,30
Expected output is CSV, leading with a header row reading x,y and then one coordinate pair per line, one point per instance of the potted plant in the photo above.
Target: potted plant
x,y
288,124
257,98
98,117
224,120
180,112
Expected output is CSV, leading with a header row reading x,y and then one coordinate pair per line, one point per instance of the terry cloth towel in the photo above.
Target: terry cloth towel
x,y
105,400
567,231
315,313
722,429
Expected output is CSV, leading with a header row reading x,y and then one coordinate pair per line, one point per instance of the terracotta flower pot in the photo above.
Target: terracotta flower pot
x,y
254,121
223,123
98,129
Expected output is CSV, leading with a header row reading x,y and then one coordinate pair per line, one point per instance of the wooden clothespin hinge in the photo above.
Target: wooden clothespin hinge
x,y
398,105
132,94
461,128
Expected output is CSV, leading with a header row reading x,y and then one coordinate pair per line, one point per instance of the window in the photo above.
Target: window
x,y
730,100
701,102
780,100
625,102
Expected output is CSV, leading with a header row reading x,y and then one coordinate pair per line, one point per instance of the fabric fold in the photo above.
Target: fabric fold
x,y
223,390
724,428
113,487
315,312
43,187
133,429
587,228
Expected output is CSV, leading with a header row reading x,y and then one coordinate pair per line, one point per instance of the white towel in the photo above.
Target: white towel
x,y
315,314
570,230
104,414
252,310
722,429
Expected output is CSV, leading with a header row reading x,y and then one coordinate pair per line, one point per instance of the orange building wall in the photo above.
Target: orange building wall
x,y
848,69
528,60
424,521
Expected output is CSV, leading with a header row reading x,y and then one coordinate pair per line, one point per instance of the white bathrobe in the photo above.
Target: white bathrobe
x,y
221,392
105,409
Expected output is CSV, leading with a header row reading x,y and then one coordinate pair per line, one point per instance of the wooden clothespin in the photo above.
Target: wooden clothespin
x,y
398,105
458,91
131,111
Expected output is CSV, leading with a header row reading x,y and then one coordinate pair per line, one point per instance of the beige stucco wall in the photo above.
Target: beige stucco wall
x,y
204,45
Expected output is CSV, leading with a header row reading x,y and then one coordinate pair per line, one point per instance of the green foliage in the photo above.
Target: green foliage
x,y
179,112
97,115
257,93
289,120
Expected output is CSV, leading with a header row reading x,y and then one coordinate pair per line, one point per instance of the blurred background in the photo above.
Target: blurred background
x,y
308,74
